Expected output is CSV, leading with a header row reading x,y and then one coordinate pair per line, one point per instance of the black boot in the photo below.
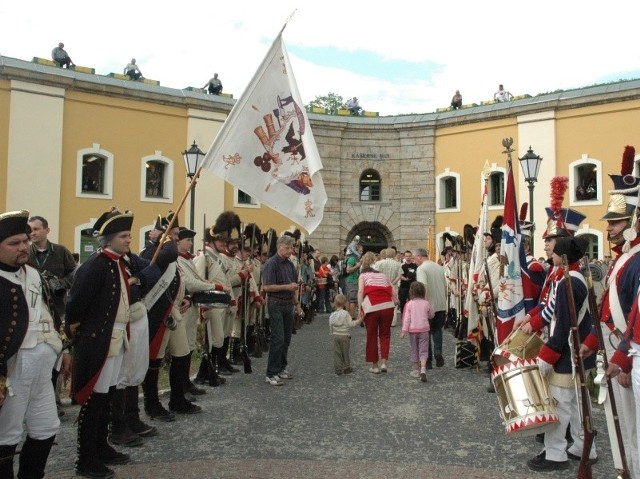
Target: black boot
x,y
6,460
132,414
107,454
235,356
152,405
178,375
215,379
88,463
203,370
251,340
33,457
188,385
223,362
120,433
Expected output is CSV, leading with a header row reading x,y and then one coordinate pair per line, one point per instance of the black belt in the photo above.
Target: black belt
x,y
280,300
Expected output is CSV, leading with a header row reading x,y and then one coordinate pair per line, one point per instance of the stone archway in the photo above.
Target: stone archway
x,y
374,236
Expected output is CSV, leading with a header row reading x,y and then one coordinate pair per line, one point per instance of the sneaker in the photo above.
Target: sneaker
x,y
274,380
347,371
284,374
423,376
439,360
415,373
383,368
541,463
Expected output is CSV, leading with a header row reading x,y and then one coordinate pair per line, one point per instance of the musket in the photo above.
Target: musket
x,y
610,408
584,468
491,325
246,360
214,380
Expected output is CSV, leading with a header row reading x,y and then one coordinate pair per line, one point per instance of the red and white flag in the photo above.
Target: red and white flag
x,y
510,292
266,147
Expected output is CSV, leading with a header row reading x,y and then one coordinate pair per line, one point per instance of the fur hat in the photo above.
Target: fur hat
x,y
573,247
226,224
252,235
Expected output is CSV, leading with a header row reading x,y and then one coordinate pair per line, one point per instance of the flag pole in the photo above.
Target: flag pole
x,y
192,184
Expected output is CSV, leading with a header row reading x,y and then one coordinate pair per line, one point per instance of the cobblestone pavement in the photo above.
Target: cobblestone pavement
x,y
320,425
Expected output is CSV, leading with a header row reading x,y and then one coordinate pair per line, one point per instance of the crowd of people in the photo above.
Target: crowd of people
x,y
124,314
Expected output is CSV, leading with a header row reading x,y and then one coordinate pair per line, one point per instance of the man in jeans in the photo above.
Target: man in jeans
x,y
280,283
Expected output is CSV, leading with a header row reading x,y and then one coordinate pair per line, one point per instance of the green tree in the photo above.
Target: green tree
x,y
331,103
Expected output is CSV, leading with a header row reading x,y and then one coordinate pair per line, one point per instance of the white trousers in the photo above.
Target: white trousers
x,y
626,406
568,409
33,401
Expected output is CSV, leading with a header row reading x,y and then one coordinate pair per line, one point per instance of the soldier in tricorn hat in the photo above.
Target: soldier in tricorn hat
x,y
97,314
33,349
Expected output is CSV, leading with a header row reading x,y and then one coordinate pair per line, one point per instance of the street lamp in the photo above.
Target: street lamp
x,y
192,158
530,166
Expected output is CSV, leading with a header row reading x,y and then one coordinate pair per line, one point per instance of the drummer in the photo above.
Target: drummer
x,y
193,283
555,361
561,223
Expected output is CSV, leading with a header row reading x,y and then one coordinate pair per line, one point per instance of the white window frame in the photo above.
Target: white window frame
x,y
254,203
141,232
586,229
108,172
494,169
440,191
167,180
573,181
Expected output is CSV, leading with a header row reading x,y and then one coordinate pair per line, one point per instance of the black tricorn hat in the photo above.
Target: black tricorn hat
x,y
162,223
185,233
225,225
14,223
111,222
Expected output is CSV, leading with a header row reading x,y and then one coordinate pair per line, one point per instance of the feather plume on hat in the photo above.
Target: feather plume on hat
x,y
559,186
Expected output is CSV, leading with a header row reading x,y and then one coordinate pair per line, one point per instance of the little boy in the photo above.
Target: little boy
x,y
340,324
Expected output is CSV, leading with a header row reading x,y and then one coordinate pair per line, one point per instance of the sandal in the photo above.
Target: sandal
x,y
374,370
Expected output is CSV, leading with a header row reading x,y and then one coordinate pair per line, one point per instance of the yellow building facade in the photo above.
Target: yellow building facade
x,y
73,144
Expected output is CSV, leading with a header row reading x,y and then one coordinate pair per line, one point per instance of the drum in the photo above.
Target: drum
x,y
466,356
526,406
211,299
518,345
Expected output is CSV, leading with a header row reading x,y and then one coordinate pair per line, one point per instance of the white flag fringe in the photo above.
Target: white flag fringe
x,y
266,147
476,264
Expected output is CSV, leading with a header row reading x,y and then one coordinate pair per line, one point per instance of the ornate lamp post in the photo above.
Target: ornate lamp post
x,y
192,158
530,166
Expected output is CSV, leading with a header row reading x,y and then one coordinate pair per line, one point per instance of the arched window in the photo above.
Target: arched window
x,y
448,191
94,173
585,181
156,178
370,186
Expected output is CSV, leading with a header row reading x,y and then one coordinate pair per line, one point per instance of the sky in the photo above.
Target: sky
x,y
397,57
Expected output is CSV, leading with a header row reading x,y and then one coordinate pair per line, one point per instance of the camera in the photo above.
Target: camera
x,y
55,285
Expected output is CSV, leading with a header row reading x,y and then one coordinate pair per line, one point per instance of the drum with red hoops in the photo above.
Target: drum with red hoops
x,y
526,405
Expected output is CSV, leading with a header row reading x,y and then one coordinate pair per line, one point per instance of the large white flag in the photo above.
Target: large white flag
x,y
266,147
476,330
